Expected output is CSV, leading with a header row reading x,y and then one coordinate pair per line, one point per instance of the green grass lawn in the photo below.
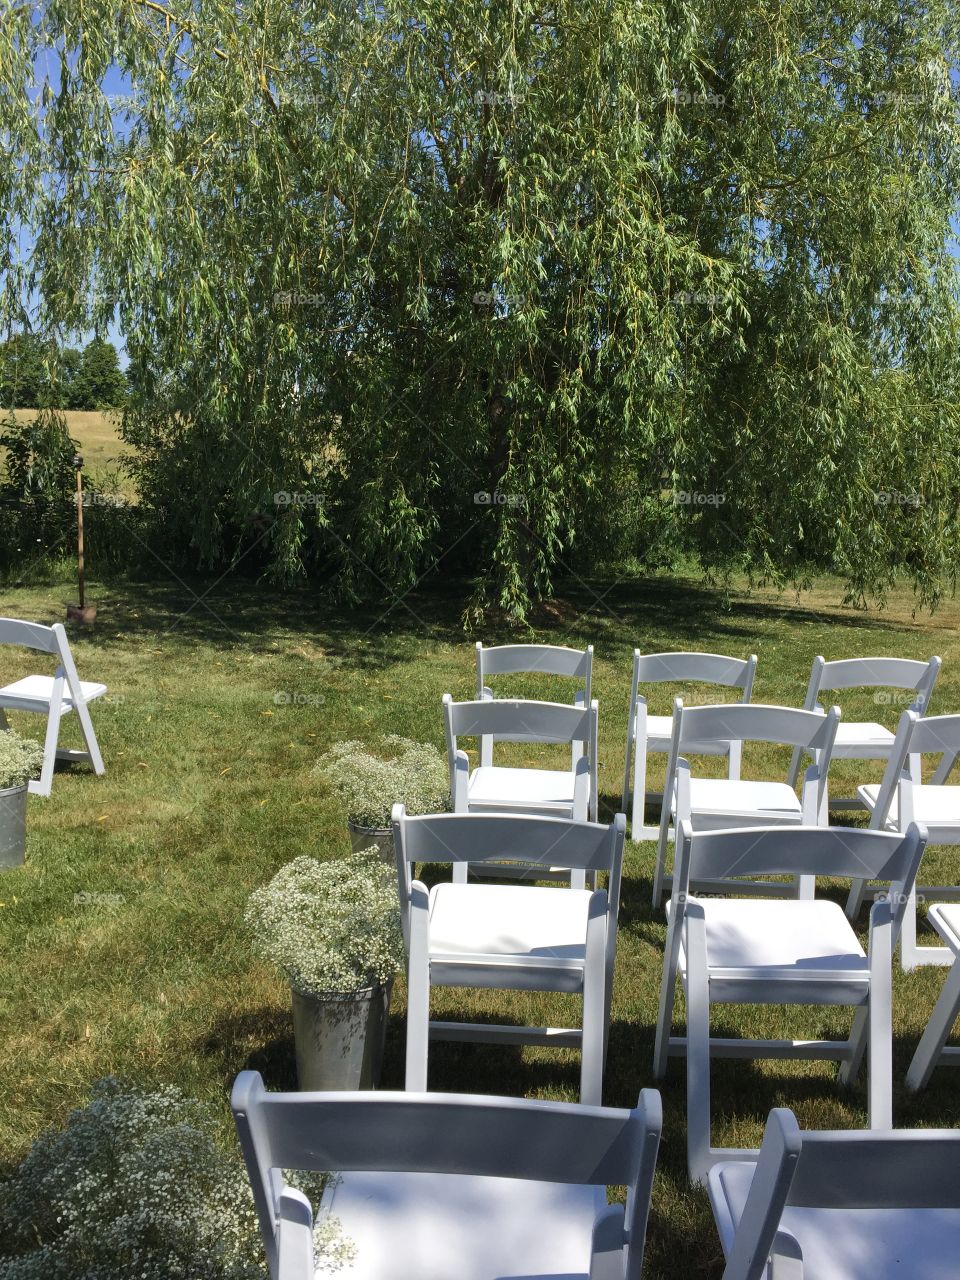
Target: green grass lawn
x,y
208,790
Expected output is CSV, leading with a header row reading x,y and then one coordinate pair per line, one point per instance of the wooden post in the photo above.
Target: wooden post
x,y
78,463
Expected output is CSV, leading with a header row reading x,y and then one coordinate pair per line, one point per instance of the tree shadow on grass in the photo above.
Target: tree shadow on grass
x,y
234,611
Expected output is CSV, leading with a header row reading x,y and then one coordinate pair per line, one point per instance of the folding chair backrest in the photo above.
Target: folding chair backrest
x,y
840,1169
915,738
801,851
520,720
445,1133
755,722
31,635
502,837
874,673
699,668
496,837
530,659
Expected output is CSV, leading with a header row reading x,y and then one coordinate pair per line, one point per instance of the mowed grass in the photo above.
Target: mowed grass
x,y
220,704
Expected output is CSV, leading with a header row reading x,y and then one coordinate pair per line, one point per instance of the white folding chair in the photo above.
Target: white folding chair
x,y
559,793
932,1051
510,937
852,1204
533,659
901,798
51,696
651,735
794,951
714,803
866,740
442,1186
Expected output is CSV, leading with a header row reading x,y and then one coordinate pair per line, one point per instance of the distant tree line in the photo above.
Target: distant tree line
x,y
37,375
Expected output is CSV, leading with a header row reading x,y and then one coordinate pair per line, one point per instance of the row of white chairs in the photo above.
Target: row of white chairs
x,y
486,1188
817,733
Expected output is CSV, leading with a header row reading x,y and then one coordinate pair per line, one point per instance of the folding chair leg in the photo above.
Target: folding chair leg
x,y
418,995
659,871
89,736
698,1052
639,791
45,785
855,898
935,1036
851,1064
668,988
594,1005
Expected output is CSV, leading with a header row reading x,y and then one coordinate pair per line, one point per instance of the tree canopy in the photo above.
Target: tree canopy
x,y
509,287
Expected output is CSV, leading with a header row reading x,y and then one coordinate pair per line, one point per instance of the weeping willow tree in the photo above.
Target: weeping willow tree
x,y
507,287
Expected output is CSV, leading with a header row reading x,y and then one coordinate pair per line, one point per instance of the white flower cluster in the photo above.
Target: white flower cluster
x,y
137,1186
20,759
403,772
332,927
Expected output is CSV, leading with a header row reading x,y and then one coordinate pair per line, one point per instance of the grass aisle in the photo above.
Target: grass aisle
x,y
123,939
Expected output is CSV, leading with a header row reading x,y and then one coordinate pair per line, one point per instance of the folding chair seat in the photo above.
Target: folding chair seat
x,y
51,696
437,1186
748,951
901,798
712,804
839,1205
652,734
510,937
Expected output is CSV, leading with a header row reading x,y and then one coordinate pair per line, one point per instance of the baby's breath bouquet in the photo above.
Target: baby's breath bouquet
x,y
369,785
138,1185
20,759
329,926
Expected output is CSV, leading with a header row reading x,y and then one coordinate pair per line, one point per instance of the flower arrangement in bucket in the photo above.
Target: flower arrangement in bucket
x,y
333,929
20,760
368,785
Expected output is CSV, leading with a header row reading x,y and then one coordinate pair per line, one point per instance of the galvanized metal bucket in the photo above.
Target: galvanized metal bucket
x,y
339,1038
365,837
13,826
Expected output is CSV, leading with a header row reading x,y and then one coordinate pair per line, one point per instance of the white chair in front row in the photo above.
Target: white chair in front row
x,y
794,951
711,804
51,696
866,740
651,735
510,937
451,1186
901,798
840,1204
